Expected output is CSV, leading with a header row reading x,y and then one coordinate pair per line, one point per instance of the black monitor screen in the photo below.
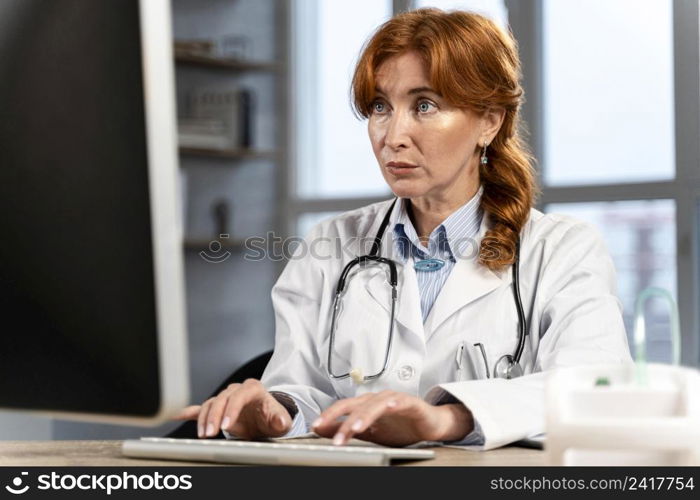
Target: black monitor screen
x,y
77,300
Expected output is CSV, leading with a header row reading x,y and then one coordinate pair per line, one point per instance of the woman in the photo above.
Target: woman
x,y
441,93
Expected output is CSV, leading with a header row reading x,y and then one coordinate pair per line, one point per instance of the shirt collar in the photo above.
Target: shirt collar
x,y
452,238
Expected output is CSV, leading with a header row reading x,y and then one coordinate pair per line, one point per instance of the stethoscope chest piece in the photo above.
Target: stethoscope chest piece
x,y
506,367
357,376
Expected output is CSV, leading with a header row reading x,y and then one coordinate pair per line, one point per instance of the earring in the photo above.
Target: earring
x,y
484,159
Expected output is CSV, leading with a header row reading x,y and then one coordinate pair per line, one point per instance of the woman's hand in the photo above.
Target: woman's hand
x,y
245,410
393,419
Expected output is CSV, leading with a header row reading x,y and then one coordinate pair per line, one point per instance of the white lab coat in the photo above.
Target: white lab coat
x,y
567,284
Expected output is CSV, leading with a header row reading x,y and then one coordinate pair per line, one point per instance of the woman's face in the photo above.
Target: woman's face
x,y
436,146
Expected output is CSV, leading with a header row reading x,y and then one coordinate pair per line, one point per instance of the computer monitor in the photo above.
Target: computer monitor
x,y
92,303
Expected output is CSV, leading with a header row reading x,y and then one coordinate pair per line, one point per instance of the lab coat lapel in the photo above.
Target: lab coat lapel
x,y
408,312
468,281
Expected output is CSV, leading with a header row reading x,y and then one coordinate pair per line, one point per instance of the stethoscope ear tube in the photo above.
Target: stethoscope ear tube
x,y
377,243
508,366
373,255
343,276
364,259
522,324
356,373
393,274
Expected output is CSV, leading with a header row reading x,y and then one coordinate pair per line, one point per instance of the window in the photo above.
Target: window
x,y
617,132
641,238
609,108
334,156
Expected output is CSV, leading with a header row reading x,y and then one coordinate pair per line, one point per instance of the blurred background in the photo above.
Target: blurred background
x,y
268,142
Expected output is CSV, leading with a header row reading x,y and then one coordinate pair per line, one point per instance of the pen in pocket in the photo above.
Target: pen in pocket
x,y
459,359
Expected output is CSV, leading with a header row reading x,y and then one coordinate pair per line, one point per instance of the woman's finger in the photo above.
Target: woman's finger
x,y
338,409
213,418
365,415
227,413
274,418
250,413
202,417
327,430
188,413
262,416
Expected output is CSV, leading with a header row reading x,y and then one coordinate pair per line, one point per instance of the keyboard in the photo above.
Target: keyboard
x,y
267,453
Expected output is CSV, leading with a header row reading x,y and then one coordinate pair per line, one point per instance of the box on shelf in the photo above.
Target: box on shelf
x,y
232,107
231,47
204,133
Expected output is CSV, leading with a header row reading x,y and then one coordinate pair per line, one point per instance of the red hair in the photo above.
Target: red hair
x,y
474,65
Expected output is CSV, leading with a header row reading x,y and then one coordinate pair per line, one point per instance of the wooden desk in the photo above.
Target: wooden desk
x,y
108,453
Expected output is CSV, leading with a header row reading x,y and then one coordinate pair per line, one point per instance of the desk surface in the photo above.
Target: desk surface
x,y
108,453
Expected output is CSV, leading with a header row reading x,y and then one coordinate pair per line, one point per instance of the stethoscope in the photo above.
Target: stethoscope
x,y
507,367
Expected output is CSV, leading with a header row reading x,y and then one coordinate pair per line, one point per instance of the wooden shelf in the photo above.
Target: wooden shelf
x,y
240,154
202,60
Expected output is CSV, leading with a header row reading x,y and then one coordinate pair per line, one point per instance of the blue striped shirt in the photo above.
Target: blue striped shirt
x,y
451,239
455,237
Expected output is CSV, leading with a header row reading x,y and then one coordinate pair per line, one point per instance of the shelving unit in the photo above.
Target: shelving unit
x,y
232,154
265,73
207,61
229,291
230,314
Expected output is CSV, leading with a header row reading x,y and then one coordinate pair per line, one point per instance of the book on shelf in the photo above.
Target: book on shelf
x,y
203,47
231,47
219,119
204,133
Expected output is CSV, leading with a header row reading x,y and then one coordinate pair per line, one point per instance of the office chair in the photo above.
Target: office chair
x,y
252,369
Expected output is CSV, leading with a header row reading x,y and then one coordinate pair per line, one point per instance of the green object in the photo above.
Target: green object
x,y
602,381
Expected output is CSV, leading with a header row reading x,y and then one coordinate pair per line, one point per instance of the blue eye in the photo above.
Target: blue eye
x,y
424,106
378,107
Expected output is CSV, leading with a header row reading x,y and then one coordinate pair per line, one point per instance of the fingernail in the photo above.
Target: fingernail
x,y
210,430
391,403
357,425
200,431
225,423
338,439
317,422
